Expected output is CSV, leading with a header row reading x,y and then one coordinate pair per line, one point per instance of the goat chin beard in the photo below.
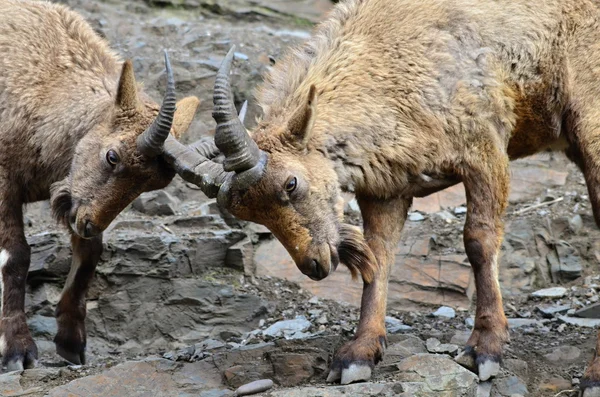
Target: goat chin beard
x,y
61,202
355,253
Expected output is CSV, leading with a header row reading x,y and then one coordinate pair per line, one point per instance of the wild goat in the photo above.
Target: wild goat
x,y
398,99
75,128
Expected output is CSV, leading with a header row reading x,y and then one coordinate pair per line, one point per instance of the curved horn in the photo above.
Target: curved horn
x,y
195,168
232,139
206,146
150,143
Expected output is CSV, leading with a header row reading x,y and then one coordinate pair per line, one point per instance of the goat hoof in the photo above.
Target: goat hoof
x,y
18,361
593,391
354,362
17,347
356,373
486,366
590,383
72,357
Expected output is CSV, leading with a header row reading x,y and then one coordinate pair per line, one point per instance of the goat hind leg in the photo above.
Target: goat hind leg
x,y
584,135
383,221
487,196
70,339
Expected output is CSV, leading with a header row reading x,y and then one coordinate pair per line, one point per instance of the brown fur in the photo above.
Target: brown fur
x,y
65,101
412,97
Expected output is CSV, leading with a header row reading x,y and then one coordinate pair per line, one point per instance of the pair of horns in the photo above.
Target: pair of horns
x,y
243,163
150,142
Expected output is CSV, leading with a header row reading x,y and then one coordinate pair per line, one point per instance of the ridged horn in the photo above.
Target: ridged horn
x,y
151,141
194,167
206,146
240,151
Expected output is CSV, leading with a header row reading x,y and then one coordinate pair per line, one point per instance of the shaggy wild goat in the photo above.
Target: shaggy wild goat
x,y
398,99
75,128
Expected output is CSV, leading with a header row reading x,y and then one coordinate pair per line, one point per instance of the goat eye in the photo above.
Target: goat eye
x,y
112,157
291,184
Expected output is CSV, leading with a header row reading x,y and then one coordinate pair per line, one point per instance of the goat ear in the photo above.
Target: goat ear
x,y
127,95
301,124
184,115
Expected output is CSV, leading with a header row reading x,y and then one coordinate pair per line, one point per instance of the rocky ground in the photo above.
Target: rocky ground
x,y
189,302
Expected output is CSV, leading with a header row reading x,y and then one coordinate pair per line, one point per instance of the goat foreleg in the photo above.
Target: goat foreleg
x,y
383,222
71,311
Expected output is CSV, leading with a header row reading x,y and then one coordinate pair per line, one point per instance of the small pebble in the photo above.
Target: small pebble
x,y
254,387
415,217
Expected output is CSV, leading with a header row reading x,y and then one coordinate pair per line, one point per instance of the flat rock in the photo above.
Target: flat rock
x,y
511,385
591,311
393,325
523,322
564,354
415,217
152,377
368,389
580,322
10,385
158,202
42,326
439,374
550,311
554,292
517,366
288,329
435,346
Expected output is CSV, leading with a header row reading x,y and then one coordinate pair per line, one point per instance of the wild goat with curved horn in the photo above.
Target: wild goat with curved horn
x,y
97,138
395,100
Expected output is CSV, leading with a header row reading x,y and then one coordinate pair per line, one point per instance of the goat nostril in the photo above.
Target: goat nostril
x,y
89,229
317,272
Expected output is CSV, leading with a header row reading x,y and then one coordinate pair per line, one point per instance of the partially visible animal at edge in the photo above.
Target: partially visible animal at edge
x,y
75,128
398,99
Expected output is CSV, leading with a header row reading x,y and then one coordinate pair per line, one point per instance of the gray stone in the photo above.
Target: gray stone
x,y
550,311
367,389
288,329
10,384
415,217
240,256
517,366
254,387
444,311
41,326
460,338
50,256
393,325
591,311
564,354
523,322
437,373
435,346
40,374
460,210
445,216
510,386
152,377
580,322
157,202
398,351
576,223
484,389
554,292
